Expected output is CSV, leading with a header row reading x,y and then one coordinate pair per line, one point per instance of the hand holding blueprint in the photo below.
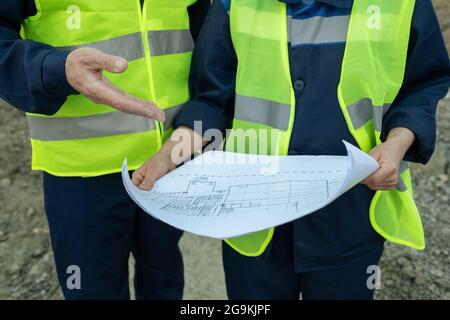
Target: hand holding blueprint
x,y
224,195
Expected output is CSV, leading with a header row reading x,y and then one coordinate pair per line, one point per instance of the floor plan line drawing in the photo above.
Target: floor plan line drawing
x,y
262,195
227,200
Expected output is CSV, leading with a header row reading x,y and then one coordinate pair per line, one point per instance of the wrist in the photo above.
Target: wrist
x,y
165,154
401,139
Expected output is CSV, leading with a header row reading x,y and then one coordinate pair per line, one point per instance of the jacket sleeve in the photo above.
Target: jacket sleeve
x,y
212,79
32,75
197,15
427,80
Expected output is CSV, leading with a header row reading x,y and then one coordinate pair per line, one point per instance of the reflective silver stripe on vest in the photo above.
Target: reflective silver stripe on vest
x,y
128,47
170,41
363,111
103,125
269,113
318,30
401,185
170,116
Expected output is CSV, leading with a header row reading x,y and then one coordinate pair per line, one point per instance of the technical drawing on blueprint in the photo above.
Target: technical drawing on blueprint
x,y
223,195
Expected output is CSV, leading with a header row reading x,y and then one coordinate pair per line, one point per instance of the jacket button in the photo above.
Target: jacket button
x,y
299,85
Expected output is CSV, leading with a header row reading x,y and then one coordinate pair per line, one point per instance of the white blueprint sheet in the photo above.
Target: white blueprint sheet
x,y
225,200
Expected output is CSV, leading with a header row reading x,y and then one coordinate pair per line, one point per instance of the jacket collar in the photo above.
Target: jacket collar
x,y
336,3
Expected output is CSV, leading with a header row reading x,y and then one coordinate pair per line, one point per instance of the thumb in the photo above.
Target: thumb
x,y
110,63
139,175
149,180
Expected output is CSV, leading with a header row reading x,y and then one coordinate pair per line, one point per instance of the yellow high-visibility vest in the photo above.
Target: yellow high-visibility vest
x,y
372,74
88,139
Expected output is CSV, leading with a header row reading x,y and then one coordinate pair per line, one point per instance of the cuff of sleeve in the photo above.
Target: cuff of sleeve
x,y
54,75
425,135
201,117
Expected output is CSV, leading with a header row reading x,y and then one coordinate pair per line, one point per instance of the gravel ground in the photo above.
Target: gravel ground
x,y
26,261
409,274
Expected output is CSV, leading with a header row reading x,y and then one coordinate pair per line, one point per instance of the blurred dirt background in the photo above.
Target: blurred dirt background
x,y
26,261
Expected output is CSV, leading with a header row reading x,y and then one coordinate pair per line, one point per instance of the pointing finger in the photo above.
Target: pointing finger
x,y
113,96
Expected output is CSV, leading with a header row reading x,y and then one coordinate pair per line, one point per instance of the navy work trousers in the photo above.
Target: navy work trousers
x,y
272,276
94,227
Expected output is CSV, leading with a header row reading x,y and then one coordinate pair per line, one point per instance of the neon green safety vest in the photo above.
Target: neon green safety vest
x,y
372,75
87,139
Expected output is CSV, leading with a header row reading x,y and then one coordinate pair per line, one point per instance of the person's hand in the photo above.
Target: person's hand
x,y
183,143
389,155
84,72
159,165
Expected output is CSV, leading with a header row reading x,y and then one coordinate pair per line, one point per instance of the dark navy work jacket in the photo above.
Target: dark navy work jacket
x,y
341,232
